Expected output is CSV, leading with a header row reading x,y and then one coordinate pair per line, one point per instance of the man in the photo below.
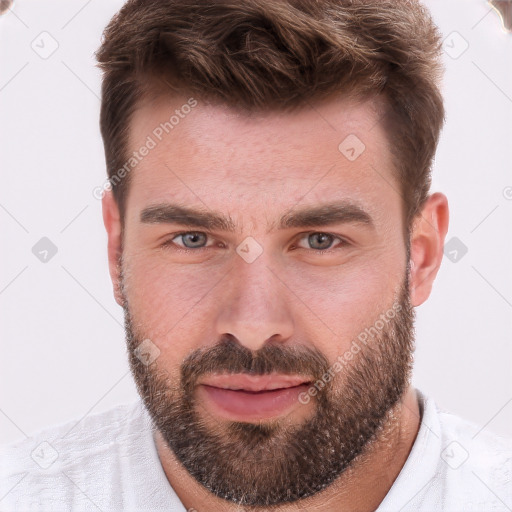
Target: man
x,y
270,232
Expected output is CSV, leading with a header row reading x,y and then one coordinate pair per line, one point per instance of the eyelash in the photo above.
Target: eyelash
x,y
170,243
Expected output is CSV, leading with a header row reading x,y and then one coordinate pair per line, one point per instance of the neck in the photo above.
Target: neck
x,y
361,488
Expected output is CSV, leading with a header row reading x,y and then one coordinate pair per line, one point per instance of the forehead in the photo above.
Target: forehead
x,y
217,156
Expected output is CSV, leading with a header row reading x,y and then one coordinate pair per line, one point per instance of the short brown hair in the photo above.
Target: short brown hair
x,y
280,54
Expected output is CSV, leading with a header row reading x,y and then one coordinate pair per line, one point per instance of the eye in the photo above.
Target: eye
x,y
320,241
189,240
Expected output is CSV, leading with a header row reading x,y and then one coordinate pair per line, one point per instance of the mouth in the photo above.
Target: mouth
x,y
253,383
242,397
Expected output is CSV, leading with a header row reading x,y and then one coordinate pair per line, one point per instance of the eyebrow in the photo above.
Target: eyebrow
x,y
340,212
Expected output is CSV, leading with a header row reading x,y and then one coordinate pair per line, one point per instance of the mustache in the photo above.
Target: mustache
x,y
229,356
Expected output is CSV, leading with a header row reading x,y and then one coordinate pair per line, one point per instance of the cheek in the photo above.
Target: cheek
x,y
172,302
335,307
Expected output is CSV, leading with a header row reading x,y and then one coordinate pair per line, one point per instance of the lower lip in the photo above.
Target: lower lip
x,y
239,405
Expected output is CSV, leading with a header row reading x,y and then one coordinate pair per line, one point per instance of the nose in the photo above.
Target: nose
x,y
254,309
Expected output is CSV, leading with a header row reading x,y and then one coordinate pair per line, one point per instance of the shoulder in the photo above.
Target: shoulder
x,y
62,445
473,466
454,465
480,456
61,461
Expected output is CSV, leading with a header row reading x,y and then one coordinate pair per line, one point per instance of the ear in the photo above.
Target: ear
x,y
427,243
112,222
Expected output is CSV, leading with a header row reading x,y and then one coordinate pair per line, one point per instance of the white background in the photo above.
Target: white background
x,y
62,338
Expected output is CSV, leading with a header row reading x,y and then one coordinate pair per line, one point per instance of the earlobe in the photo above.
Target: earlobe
x,y
112,222
427,241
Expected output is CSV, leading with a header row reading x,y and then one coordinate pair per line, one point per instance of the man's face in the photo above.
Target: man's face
x,y
241,317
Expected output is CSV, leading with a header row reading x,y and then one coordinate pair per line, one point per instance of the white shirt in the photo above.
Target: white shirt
x,y
109,462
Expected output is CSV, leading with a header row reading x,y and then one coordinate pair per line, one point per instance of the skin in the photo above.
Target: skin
x,y
256,169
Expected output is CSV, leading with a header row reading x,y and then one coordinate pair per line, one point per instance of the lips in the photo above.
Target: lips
x,y
251,398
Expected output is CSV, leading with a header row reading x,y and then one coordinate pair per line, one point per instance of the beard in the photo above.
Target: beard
x,y
270,463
